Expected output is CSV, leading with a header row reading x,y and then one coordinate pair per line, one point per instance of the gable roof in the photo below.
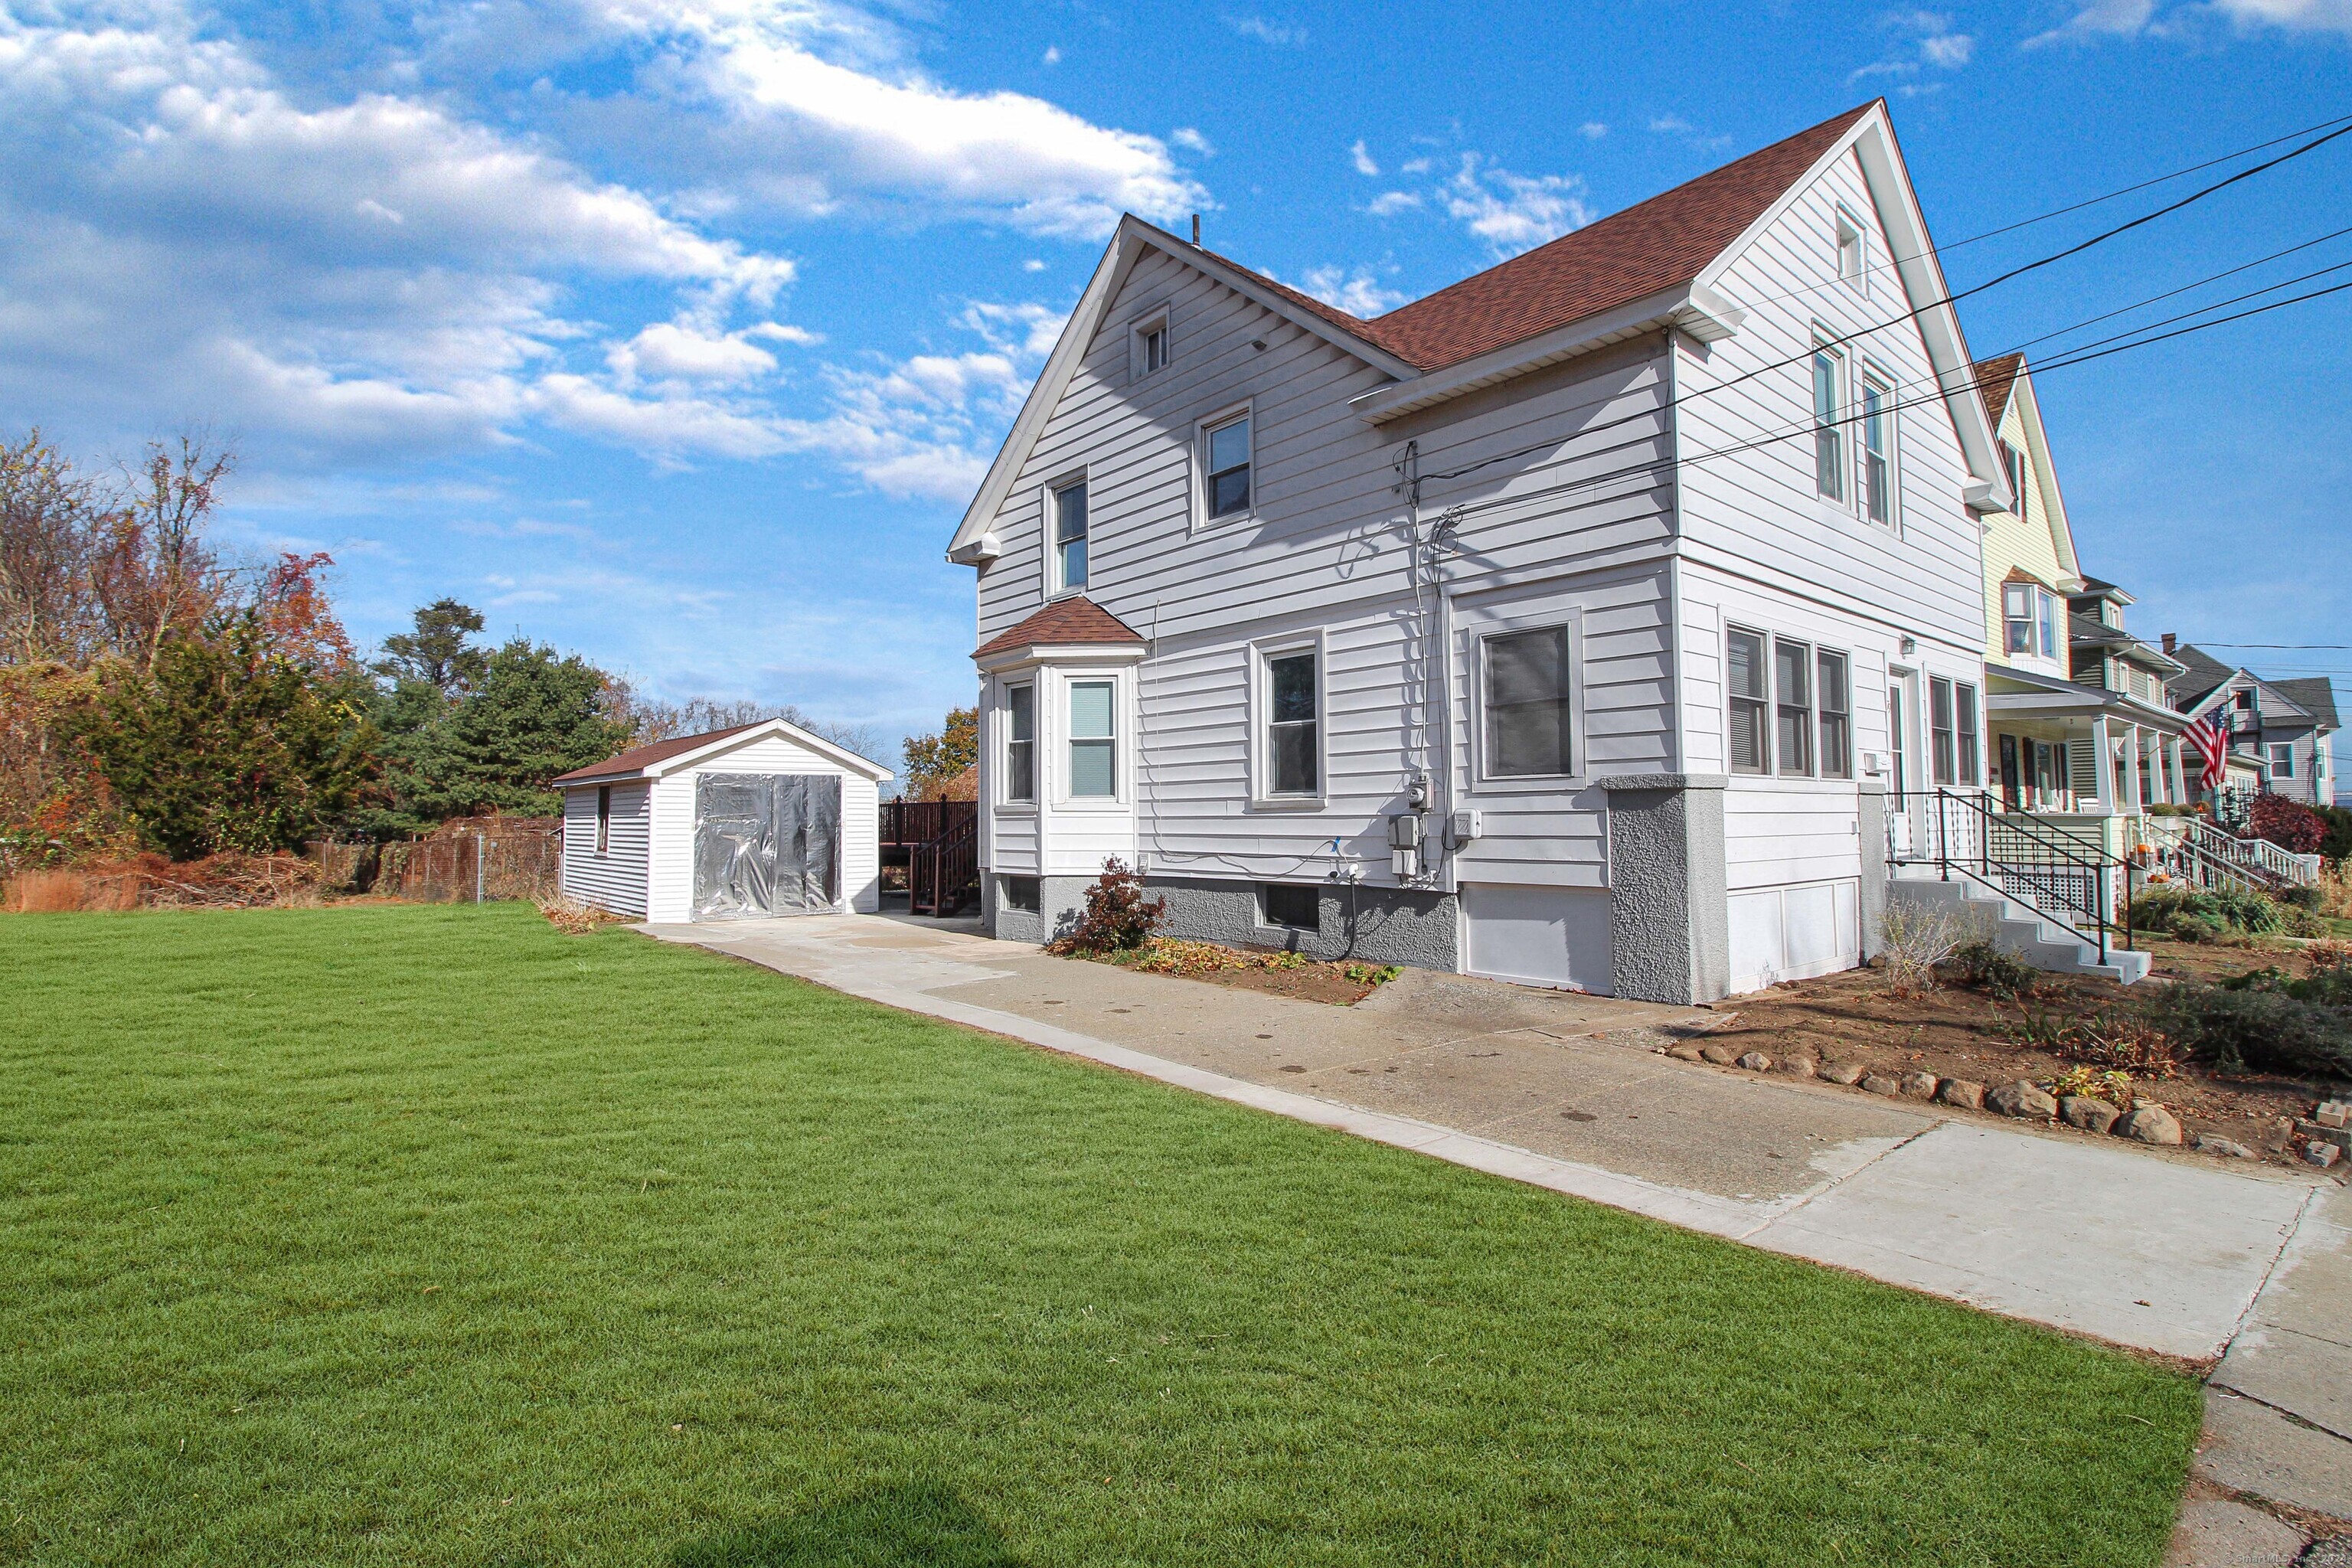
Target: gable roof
x,y
1672,241
1995,377
1074,620
647,761
2315,695
2205,674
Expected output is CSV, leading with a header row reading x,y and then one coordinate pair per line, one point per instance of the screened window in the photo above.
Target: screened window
x,y
1070,535
1289,904
1793,682
2017,617
1835,700
603,818
1229,468
1151,346
1877,452
2046,615
2281,760
1964,698
1094,769
1528,726
1944,740
1750,701
1021,742
1291,723
1829,437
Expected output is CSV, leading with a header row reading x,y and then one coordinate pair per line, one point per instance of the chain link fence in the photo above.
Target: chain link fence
x,y
519,858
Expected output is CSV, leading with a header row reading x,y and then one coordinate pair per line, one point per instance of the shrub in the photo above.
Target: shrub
x,y
2301,897
2118,1039
1117,918
1987,968
1915,939
2337,845
2254,1024
2207,915
2290,824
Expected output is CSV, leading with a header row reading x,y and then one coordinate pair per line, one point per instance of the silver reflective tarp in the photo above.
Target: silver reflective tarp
x,y
765,844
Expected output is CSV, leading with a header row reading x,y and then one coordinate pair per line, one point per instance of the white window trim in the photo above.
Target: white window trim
x,y
1570,618
1156,317
1122,750
1848,224
1003,745
1200,465
1878,376
1261,718
1050,568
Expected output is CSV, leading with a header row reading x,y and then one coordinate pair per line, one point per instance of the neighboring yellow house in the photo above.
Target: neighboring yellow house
x,y
2081,731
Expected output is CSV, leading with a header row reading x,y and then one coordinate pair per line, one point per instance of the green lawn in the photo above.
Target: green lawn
x,y
426,1236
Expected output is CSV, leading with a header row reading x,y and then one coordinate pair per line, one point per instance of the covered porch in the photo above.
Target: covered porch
x,y
2084,759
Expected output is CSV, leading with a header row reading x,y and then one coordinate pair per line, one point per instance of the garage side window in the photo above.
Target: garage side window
x,y
1291,723
1530,730
1021,742
603,818
1093,740
1750,700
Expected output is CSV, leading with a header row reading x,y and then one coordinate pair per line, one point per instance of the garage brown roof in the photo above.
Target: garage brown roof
x,y
1994,378
628,764
1077,619
1656,245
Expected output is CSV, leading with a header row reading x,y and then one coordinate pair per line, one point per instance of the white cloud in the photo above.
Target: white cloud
x,y
1933,44
1358,292
1593,131
1192,140
1510,212
1052,55
1033,265
671,428
2126,18
2101,17
2295,15
1275,33
682,350
1363,160
1387,204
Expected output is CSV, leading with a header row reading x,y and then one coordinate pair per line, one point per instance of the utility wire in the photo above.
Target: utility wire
x,y
1918,310
2185,287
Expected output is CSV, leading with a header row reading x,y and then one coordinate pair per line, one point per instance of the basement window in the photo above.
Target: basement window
x,y
1293,907
1019,894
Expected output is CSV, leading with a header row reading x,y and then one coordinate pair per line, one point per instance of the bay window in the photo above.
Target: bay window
x,y
1021,742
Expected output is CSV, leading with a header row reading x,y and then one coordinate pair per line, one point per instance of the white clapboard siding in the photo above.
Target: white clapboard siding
x,y
614,881
672,860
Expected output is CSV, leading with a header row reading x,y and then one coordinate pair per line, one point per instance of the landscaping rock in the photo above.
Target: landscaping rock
x,y
1686,1053
1795,1066
1879,1083
1918,1085
2321,1155
1721,1056
2150,1124
1960,1091
1755,1061
2089,1113
1847,1073
2215,1143
2021,1097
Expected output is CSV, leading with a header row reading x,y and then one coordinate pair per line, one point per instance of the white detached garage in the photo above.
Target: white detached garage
x,y
741,824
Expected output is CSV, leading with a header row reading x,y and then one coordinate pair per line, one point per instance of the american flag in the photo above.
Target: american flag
x,y
2210,737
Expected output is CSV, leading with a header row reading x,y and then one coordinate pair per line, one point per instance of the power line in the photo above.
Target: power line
x,y
1917,310
2185,287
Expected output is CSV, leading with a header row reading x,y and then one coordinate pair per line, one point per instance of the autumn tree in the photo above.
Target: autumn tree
x,y
935,762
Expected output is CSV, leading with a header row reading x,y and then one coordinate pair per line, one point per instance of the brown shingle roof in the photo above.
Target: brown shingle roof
x,y
1656,245
637,761
1077,619
1994,378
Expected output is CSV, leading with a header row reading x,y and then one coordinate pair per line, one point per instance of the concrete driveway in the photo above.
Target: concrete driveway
x,y
1570,1092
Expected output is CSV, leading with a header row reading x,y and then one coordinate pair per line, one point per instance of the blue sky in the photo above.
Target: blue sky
x,y
679,335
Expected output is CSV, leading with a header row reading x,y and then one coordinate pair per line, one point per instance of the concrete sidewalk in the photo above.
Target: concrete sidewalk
x,y
1566,1092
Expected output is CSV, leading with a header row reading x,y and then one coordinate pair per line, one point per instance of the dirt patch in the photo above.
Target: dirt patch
x,y
1958,1032
1266,970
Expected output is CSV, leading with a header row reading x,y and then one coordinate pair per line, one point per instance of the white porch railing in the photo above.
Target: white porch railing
x,y
2210,855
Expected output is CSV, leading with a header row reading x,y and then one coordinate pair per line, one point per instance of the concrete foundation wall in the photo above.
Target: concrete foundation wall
x,y
1059,900
1378,925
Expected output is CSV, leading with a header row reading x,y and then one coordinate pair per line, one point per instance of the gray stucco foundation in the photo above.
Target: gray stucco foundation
x,y
1378,925
1059,900
1669,908
1870,821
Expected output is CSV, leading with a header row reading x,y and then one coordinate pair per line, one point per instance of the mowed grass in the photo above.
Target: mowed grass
x,y
403,1235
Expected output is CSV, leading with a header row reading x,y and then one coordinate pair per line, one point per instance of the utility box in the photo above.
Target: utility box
x,y
1405,845
1466,825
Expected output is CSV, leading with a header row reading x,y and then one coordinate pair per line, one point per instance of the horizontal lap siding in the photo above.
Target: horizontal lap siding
x,y
673,824
1781,832
614,881
1759,506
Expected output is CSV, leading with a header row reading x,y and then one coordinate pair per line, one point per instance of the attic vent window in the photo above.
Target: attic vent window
x,y
1155,348
1849,248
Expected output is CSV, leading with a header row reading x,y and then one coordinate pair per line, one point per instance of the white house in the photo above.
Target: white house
x,y
740,823
1559,627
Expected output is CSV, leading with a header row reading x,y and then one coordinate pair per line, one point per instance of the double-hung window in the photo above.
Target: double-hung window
x,y
1745,681
2012,465
1291,724
1792,683
1964,700
2281,760
1952,729
1094,739
1849,250
1530,729
1226,456
1834,698
2017,617
1877,452
1829,434
1021,742
2045,607
1151,346
1070,536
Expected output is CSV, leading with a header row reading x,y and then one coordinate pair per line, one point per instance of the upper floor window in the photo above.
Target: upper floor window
x,y
1746,680
1530,728
1070,536
1877,450
1828,433
1094,739
1849,248
1226,447
2281,760
1148,348
2045,607
1291,746
1021,742
2017,618
2012,468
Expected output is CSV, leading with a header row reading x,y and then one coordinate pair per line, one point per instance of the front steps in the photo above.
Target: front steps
x,y
2016,929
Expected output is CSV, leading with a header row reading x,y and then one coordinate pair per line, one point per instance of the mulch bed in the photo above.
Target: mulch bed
x,y
1267,970
1958,1032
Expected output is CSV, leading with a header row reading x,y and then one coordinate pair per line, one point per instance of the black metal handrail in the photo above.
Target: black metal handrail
x,y
2043,867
